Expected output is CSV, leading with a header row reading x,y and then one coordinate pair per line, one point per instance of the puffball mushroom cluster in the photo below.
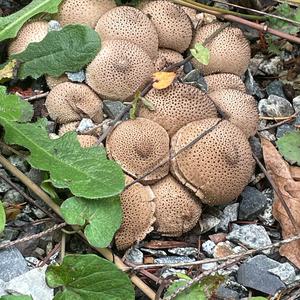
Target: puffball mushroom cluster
x,y
136,42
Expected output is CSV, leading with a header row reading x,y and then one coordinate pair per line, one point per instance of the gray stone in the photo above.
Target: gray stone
x,y
252,204
209,266
285,272
188,67
275,106
252,236
254,274
32,283
252,86
38,213
255,62
50,126
283,129
208,222
2,291
85,125
256,146
208,248
196,79
76,76
12,264
54,25
186,251
135,256
19,163
226,293
4,187
271,66
10,233
230,214
267,217
113,108
155,253
296,104
171,272
173,260
13,196
275,87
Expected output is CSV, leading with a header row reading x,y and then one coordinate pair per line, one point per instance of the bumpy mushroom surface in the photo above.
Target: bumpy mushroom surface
x,y
167,57
239,108
85,12
221,81
69,102
178,105
138,214
119,70
64,128
31,32
138,146
87,141
129,23
177,210
218,166
173,25
54,81
229,50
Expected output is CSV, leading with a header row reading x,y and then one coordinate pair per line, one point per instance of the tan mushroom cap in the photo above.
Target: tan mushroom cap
x,y
54,81
129,23
239,108
87,141
138,146
218,166
173,25
138,214
167,57
178,105
68,102
221,81
85,12
177,209
31,32
229,50
67,127
119,70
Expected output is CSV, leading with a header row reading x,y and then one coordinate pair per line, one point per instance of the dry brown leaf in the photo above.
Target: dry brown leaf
x,y
289,189
163,79
295,172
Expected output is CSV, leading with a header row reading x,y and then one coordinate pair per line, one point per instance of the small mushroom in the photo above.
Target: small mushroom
x,y
229,50
119,70
178,105
130,24
138,214
167,57
87,141
138,146
177,211
54,81
31,32
69,102
222,81
85,12
239,108
218,166
173,25
67,127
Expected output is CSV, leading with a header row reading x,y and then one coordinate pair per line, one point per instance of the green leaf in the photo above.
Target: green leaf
x,y
148,104
134,106
86,277
10,25
48,187
103,218
258,298
201,53
203,290
2,217
289,146
69,49
85,171
8,70
13,297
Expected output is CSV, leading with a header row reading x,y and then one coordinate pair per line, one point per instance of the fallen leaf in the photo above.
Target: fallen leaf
x,y
289,189
289,146
201,53
295,172
8,71
163,79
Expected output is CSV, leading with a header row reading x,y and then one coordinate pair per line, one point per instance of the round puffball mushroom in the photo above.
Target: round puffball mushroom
x,y
173,25
222,81
138,146
67,127
31,32
229,50
54,81
85,12
239,108
167,57
68,102
130,24
87,141
138,214
178,105
119,70
177,211
218,166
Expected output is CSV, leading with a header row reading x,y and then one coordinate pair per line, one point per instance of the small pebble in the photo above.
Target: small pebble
x,y
173,260
13,196
208,248
171,272
85,125
208,222
256,146
113,108
283,129
275,106
275,87
230,214
196,79
209,266
271,66
19,163
266,217
4,187
76,76
296,104
252,86
218,237
188,67
54,25
135,256
186,251
156,253
223,249
285,272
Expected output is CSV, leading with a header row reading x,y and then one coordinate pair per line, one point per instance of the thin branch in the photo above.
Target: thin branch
x,y
36,97
279,123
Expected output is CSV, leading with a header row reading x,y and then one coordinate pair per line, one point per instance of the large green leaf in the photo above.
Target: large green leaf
x,y
85,171
86,277
2,217
289,146
13,297
103,218
10,25
69,49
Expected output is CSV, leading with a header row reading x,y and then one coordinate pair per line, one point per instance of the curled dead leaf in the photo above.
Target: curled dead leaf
x,y
289,189
163,79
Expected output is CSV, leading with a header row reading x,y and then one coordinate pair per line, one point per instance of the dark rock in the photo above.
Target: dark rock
x,y
254,274
12,264
252,86
10,233
283,129
19,163
188,67
4,187
14,197
252,204
256,146
275,88
275,106
113,108
135,256
296,104
230,214
227,294
196,79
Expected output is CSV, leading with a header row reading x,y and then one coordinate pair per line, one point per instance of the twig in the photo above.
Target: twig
x,y
279,123
63,247
172,156
46,259
36,97
276,118
32,237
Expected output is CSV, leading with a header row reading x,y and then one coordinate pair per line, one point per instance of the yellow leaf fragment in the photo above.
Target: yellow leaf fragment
x,y
163,79
7,72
